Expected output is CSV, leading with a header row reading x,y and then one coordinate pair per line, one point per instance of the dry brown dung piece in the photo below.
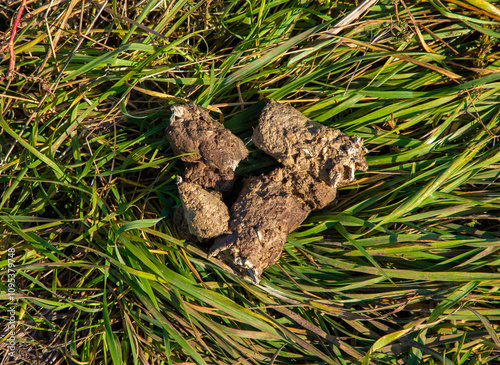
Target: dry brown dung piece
x,y
315,193
206,214
193,130
268,208
209,177
299,143
209,170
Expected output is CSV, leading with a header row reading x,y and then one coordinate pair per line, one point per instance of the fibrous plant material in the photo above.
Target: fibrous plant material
x,y
316,161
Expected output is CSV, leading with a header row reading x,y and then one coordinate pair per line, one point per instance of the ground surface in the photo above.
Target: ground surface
x,y
404,269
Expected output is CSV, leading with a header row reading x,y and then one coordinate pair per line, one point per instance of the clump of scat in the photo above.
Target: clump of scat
x,y
204,211
212,153
267,209
316,160
301,144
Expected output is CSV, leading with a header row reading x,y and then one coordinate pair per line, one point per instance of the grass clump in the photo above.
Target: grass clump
x,y
404,269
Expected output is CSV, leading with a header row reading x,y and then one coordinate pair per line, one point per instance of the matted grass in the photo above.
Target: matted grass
x,y
404,269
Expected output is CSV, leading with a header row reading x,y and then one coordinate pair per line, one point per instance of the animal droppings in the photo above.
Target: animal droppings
x,y
249,237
